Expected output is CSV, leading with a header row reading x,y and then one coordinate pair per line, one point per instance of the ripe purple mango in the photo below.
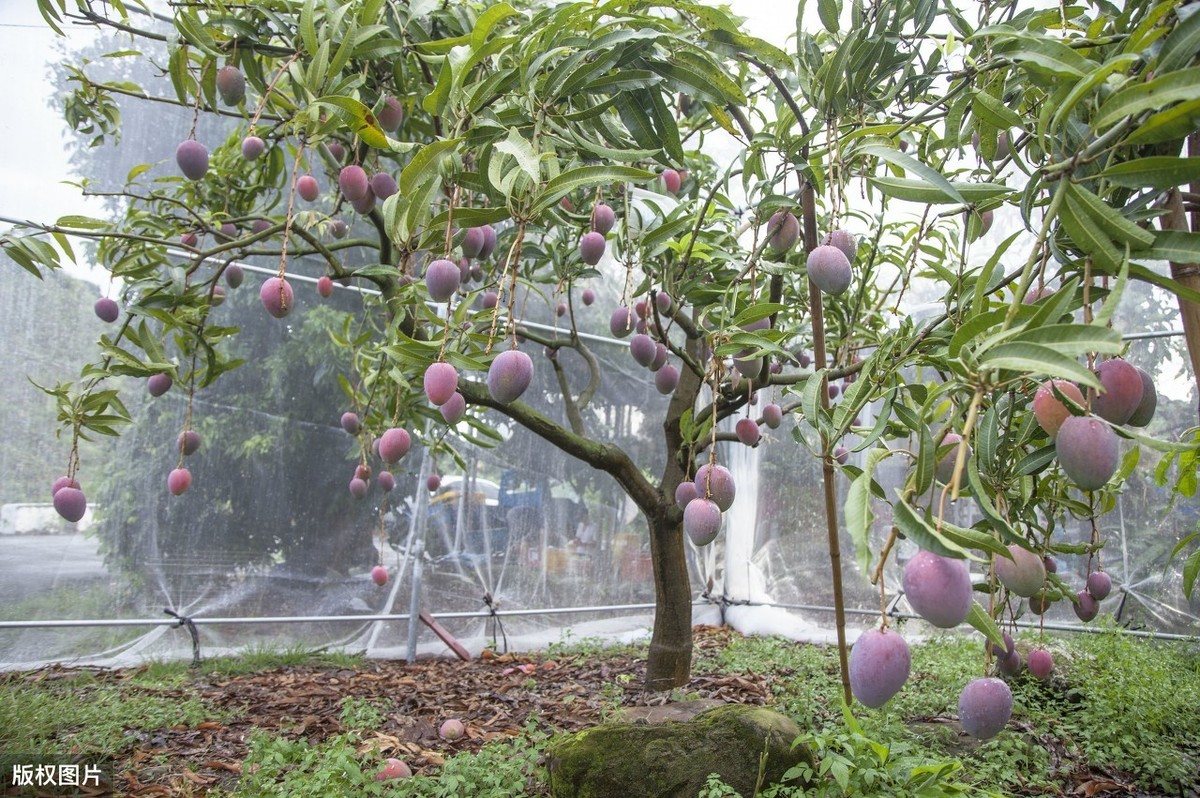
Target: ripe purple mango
x,y
642,349
353,182
394,444
192,158
454,408
1024,574
621,322
1143,414
716,483
1099,584
277,297
666,379
383,185
784,229
350,422
1040,663
938,588
1087,451
845,242
489,242
747,431
253,147
158,384
70,503
671,180
365,204
879,666
188,442
984,707
509,376
1122,391
603,218
684,493
391,114
772,415
442,279
387,482
231,85
441,381
472,243
62,482
829,270
1048,410
106,309
701,521
1087,608
307,188
178,481
234,275
591,248
358,487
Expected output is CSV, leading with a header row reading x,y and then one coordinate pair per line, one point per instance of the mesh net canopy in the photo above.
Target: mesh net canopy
x,y
520,545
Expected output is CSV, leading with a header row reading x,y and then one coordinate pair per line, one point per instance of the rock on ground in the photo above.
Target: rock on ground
x,y
673,759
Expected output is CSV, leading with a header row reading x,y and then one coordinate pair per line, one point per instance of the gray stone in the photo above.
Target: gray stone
x,y
673,759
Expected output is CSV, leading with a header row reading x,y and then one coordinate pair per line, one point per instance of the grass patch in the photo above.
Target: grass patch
x,y
254,659
80,715
1115,704
277,767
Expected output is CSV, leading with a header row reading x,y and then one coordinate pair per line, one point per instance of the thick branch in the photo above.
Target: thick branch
x,y
604,457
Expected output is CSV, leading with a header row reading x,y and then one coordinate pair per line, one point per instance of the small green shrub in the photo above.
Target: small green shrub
x,y
850,763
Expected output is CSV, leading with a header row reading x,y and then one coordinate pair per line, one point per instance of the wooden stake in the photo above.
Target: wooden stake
x,y
808,203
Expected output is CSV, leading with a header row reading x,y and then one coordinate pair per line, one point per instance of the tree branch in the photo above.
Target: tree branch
x,y
605,457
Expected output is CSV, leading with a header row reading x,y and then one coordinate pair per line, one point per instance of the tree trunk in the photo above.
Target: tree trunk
x,y
670,661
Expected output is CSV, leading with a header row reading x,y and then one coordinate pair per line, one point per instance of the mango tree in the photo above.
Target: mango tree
x,y
493,148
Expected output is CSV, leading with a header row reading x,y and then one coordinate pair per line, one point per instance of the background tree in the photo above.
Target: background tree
x,y
491,117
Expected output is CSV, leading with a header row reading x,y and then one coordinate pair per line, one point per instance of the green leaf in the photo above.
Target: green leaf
x,y
859,517
1115,225
522,150
308,28
829,11
994,112
1180,46
1172,124
1088,84
487,22
1153,95
910,164
1087,234
922,191
1191,569
582,176
1037,359
362,121
983,622
1158,171
81,223
705,80
1175,246
424,165
916,527
1073,339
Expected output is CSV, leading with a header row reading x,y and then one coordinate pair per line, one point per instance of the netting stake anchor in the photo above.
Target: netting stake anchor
x,y
191,627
